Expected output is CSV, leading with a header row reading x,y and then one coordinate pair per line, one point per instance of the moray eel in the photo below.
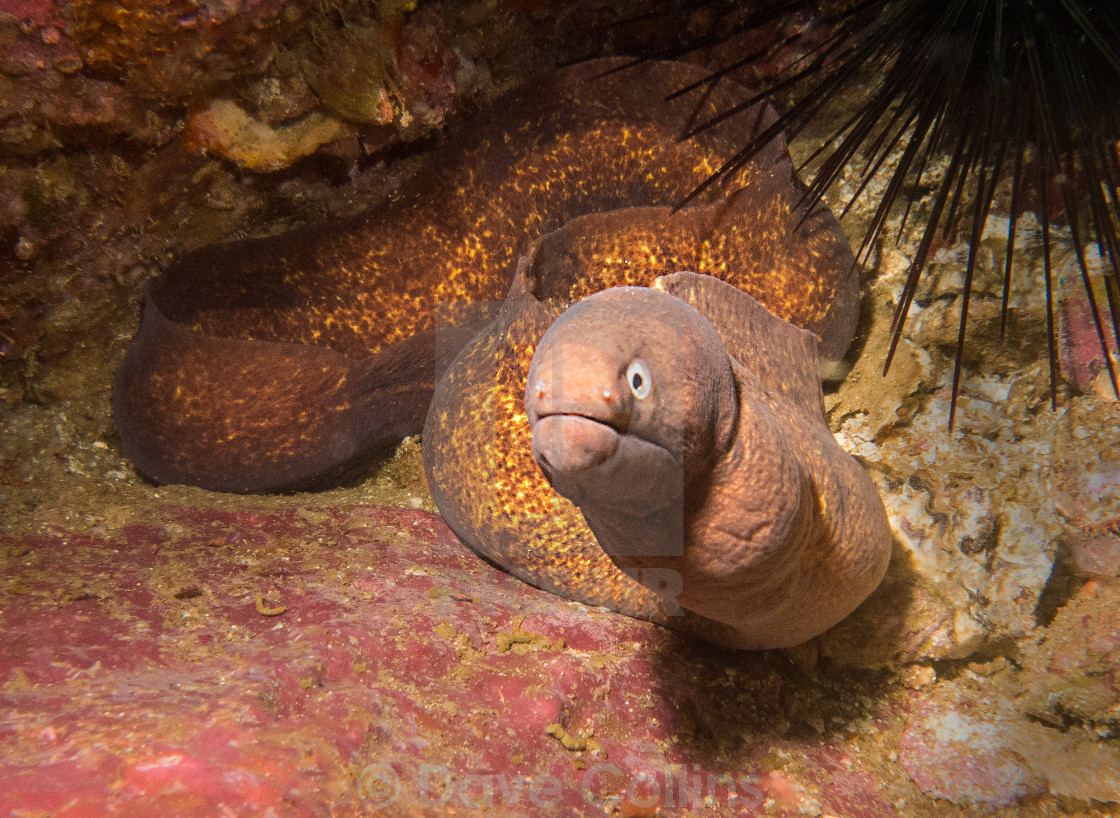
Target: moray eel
x,y
291,361
686,423
660,450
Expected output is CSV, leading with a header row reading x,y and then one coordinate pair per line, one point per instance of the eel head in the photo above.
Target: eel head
x,y
631,399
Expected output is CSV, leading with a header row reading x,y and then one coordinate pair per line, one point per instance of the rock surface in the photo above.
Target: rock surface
x,y
137,672
201,660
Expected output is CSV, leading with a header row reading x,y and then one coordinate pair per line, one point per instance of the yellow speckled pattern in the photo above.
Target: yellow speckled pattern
x,y
477,440
489,488
284,362
543,536
581,145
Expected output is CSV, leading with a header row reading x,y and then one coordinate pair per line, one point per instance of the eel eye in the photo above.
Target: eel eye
x,y
637,375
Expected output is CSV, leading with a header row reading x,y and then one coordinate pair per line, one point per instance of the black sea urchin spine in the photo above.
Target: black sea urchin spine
x,y
1022,89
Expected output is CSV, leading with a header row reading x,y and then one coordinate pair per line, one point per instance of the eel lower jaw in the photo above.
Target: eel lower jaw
x,y
568,443
604,470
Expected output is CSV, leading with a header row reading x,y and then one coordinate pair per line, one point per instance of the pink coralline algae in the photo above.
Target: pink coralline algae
x,y
251,661
998,736
954,749
1082,361
37,12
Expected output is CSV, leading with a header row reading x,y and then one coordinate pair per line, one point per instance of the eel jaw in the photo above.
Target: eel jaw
x,y
597,466
569,443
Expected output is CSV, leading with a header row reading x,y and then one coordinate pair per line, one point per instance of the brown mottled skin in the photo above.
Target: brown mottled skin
x,y
290,361
686,423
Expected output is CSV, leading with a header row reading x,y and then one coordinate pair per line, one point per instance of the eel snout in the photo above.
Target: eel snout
x,y
578,406
581,412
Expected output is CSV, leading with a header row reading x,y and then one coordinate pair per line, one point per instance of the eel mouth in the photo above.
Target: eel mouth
x,y
596,465
565,442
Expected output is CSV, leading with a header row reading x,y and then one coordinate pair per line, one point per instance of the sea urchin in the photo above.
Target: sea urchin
x,y
1020,90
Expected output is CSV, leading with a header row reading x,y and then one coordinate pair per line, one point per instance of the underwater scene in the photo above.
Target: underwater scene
x,y
606,407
